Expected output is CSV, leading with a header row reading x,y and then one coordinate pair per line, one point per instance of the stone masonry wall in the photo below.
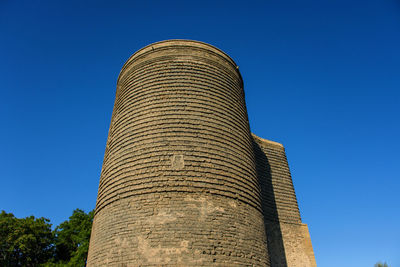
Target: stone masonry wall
x,y
178,185
289,242
278,196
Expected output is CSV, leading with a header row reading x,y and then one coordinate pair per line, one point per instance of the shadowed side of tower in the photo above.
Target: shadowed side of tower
x,y
178,185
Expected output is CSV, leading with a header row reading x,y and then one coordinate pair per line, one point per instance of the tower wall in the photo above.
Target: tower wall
x,y
178,185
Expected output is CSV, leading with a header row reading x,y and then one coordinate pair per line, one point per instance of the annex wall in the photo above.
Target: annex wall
x,y
289,241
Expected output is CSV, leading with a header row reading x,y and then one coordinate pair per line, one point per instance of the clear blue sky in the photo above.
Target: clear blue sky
x,y
321,77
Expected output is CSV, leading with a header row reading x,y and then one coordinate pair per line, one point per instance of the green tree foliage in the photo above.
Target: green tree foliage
x,y
72,239
25,242
31,242
380,264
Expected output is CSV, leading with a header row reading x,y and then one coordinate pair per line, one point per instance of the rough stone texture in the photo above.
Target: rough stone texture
x,y
289,241
179,185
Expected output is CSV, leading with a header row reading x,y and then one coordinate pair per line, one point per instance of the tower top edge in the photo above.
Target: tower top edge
x,y
267,142
174,43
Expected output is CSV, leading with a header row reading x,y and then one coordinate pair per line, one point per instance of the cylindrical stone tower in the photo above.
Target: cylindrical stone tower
x,y
178,185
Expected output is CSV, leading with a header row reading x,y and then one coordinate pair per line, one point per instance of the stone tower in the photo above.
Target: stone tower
x,y
184,183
